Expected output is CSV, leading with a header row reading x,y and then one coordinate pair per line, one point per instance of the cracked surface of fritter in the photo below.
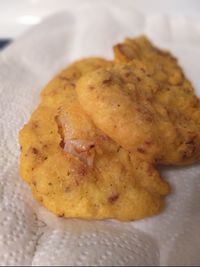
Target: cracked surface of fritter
x,y
155,119
74,169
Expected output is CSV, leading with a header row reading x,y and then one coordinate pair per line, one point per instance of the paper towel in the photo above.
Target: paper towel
x,y
29,234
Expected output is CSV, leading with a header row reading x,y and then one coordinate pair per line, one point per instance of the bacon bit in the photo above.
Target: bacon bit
x,y
35,124
148,98
113,198
118,149
96,205
194,102
91,87
67,189
103,137
72,84
82,149
191,148
120,47
127,74
150,171
139,80
141,150
107,81
148,118
148,75
61,215
138,109
34,183
168,112
159,159
190,142
62,144
20,148
191,139
82,171
64,78
148,143
34,150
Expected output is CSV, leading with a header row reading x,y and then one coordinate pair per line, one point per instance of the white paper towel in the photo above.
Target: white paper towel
x,y
29,234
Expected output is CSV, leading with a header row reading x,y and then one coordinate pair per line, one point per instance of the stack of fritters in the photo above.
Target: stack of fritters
x,y
91,147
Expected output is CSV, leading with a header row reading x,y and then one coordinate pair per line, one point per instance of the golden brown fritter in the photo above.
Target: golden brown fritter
x,y
158,121
62,86
161,65
176,95
75,170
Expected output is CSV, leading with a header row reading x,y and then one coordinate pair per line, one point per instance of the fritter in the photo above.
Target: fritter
x,y
76,170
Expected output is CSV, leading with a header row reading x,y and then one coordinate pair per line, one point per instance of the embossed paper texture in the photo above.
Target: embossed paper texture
x,y
29,234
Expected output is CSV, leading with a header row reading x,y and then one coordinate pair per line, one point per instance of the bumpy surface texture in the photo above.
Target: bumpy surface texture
x,y
74,169
29,234
146,105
